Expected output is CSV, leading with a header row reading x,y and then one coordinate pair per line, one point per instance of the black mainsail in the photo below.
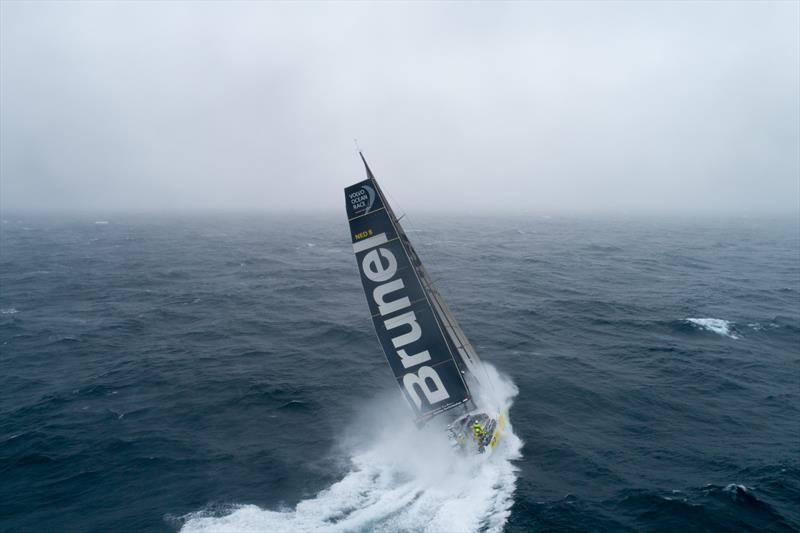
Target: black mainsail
x,y
427,350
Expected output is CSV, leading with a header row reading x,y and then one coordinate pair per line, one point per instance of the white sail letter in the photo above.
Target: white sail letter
x,y
425,375
379,295
413,360
409,319
369,242
372,266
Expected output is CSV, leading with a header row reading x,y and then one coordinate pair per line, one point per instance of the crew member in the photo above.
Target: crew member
x,y
477,431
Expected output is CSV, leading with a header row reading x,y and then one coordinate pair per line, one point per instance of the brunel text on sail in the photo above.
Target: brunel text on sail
x,y
379,265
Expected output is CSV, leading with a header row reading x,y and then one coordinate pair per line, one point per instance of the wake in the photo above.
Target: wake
x,y
401,479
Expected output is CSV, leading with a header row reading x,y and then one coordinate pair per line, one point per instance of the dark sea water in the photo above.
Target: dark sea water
x,y
220,372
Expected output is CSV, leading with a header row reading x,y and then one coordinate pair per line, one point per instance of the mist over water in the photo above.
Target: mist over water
x,y
479,106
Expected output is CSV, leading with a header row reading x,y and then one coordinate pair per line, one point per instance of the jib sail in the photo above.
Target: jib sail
x,y
416,330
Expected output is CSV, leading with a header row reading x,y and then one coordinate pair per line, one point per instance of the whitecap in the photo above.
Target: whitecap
x,y
735,490
8,311
734,487
715,325
101,222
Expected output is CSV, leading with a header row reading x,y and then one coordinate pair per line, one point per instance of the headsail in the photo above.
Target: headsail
x,y
416,330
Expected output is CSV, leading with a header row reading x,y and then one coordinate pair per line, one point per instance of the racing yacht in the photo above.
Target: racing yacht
x,y
433,362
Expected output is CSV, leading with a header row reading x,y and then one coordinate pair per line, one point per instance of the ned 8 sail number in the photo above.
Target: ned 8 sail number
x,y
363,234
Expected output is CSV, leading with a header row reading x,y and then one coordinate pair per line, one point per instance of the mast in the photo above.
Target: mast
x,y
370,175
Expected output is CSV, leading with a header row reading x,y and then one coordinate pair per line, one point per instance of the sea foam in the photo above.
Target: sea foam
x,y
403,479
715,325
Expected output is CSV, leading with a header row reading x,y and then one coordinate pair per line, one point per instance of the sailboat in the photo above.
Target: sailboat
x,y
433,362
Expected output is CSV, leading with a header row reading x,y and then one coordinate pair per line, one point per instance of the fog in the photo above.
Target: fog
x,y
540,107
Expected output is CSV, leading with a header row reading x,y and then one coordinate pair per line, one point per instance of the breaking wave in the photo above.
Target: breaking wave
x,y
715,325
395,483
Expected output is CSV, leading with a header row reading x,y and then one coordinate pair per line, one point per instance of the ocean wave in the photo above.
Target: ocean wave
x,y
715,325
8,311
711,507
394,484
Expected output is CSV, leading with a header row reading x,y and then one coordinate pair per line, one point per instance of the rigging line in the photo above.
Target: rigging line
x,y
428,281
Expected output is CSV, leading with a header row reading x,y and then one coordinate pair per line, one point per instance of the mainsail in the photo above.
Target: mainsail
x,y
426,348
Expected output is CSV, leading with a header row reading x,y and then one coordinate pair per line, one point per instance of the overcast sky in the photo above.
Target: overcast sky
x,y
541,107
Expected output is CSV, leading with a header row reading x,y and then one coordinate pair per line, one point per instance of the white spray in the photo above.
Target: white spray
x,y
402,479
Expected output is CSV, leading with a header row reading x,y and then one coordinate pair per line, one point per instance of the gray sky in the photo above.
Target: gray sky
x,y
635,106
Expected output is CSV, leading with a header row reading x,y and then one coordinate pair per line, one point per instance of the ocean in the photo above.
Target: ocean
x,y
219,372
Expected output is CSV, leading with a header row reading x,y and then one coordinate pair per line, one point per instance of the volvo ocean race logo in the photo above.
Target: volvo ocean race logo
x,y
380,266
362,199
